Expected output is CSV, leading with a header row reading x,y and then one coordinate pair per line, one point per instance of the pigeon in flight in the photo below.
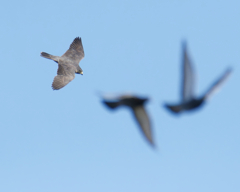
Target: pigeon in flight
x,y
68,64
136,105
189,101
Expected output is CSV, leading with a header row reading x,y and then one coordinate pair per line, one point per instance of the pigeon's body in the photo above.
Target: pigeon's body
x,y
189,101
140,114
68,64
192,104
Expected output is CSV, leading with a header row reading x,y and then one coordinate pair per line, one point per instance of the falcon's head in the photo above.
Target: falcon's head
x,y
79,71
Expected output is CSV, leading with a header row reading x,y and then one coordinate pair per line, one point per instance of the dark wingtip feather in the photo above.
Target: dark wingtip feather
x,y
152,144
229,69
76,42
55,88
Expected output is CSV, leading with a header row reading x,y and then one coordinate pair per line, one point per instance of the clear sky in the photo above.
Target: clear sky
x,y
67,140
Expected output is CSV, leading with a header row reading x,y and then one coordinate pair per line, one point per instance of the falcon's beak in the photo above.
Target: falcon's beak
x,y
81,73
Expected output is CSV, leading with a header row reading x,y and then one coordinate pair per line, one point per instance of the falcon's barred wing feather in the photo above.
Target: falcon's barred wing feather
x,y
66,73
144,122
75,53
188,77
60,81
218,83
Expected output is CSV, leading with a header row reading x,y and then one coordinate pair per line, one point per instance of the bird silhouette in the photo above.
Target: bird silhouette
x,y
68,64
188,99
136,104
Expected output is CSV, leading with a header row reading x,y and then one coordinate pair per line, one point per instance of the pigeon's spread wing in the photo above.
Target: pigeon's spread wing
x,y
144,123
66,73
218,83
75,53
188,77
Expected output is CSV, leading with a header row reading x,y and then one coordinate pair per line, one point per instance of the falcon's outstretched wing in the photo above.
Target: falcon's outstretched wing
x,y
66,73
75,53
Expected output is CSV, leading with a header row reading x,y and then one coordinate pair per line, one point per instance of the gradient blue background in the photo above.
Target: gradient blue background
x,y
67,140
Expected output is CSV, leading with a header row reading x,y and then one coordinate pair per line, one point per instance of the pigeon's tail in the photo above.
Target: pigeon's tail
x,y
174,108
48,56
111,105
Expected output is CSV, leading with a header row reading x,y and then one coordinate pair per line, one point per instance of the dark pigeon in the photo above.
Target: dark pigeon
x,y
68,64
189,101
136,104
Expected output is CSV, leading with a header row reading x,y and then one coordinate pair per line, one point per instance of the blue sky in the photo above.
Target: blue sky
x,y
67,140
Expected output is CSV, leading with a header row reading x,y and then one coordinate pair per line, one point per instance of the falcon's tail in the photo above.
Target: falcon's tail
x,y
48,56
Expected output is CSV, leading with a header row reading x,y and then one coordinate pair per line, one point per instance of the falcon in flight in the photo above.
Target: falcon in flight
x,y
136,105
68,64
189,101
